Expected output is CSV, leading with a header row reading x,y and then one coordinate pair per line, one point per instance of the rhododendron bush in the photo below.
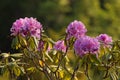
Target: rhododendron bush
x,y
76,56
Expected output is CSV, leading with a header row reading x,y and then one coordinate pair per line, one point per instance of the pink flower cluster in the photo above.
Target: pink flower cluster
x,y
60,46
83,44
76,29
105,39
26,27
86,45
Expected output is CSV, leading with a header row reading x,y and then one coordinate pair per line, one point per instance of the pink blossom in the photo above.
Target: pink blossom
x,y
76,29
26,27
60,46
86,45
105,39
40,45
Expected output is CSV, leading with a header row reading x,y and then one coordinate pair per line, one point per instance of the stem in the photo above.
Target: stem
x,y
67,70
47,74
61,59
56,76
106,75
11,73
86,72
74,73
75,70
44,69
49,77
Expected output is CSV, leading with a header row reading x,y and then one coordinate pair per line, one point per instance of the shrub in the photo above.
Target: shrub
x,y
76,56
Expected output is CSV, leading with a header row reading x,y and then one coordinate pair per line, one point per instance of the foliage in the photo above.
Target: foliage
x,y
39,58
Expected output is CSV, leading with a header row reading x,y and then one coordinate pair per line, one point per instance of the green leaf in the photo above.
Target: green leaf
x,y
101,67
5,72
49,57
5,55
22,41
32,69
15,43
61,73
35,41
46,44
71,42
16,55
17,71
93,58
113,74
102,51
97,72
31,43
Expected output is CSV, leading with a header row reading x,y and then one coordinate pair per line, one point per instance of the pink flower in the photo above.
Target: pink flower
x,y
60,46
26,27
40,45
76,29
86,45
105,39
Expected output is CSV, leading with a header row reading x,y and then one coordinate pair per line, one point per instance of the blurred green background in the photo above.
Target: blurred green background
x,y
99,16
